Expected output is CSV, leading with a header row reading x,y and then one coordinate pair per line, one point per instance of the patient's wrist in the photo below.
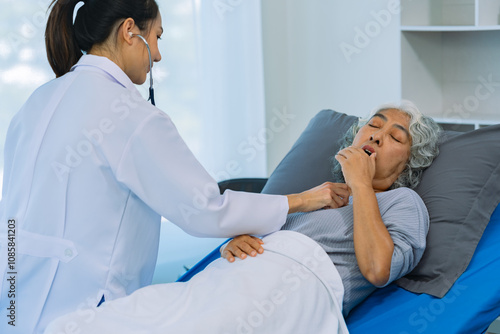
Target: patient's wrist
x,y
223,247
360,188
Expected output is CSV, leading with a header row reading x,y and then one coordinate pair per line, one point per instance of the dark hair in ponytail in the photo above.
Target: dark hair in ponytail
x,y
94,23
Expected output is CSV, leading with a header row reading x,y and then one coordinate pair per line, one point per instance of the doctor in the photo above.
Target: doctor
x,y
90,167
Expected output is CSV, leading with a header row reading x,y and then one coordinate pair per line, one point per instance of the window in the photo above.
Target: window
x,y
210,82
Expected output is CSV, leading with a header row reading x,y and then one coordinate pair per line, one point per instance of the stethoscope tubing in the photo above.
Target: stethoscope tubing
x,y
151,89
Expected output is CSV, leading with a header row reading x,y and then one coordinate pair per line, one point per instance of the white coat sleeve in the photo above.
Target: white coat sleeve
x,y
159,168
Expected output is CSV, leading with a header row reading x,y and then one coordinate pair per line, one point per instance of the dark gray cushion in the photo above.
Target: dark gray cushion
x,y
461,189
308,163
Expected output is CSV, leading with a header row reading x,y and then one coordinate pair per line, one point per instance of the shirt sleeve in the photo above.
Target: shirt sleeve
x,y
159,168
407,221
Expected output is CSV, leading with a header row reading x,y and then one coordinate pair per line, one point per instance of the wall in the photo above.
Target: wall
x,y
319,54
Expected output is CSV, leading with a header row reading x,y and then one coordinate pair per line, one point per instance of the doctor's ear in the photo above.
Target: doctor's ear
x,y
126,29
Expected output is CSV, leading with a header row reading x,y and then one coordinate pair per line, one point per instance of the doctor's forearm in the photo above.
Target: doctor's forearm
x,y
326,195
294,203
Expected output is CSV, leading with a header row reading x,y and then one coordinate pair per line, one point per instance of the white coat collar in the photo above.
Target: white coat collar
x,y
108,66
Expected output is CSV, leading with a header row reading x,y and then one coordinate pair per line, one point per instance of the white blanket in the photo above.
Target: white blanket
x,y
292,288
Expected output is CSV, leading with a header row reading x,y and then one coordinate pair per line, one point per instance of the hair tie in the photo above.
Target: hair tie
x,y
75,11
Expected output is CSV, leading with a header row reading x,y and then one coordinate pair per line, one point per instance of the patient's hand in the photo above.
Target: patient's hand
x,y
242,245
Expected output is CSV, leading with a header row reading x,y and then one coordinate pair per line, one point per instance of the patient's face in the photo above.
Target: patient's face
x,y
387,134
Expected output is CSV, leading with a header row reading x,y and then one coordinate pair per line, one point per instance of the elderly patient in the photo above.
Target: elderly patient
x,y
377,232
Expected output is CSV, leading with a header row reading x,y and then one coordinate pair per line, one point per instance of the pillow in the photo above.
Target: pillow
x,y
308,163
460,189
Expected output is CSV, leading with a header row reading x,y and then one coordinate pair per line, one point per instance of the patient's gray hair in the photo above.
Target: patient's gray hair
x,y
424,132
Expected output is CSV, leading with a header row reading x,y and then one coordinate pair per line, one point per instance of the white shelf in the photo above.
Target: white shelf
x,y
462,125
450,59
476,122
457,13
438,12
449,28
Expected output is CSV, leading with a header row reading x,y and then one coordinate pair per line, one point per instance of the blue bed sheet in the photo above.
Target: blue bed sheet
x,y
469,307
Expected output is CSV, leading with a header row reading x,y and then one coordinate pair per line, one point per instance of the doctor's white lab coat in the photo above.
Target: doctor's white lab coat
x,y
90,167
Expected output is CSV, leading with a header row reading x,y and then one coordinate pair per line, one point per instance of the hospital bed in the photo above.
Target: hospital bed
x,y
456,287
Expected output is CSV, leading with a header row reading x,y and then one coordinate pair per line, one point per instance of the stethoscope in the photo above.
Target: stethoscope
x,y
151,90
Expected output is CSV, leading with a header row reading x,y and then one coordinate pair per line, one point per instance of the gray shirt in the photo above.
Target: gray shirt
x,y
406,218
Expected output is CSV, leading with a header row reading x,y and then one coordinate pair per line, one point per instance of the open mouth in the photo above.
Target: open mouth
x,y
368,150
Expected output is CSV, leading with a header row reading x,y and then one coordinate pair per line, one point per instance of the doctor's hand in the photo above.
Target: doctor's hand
x,y
329,195
241,246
